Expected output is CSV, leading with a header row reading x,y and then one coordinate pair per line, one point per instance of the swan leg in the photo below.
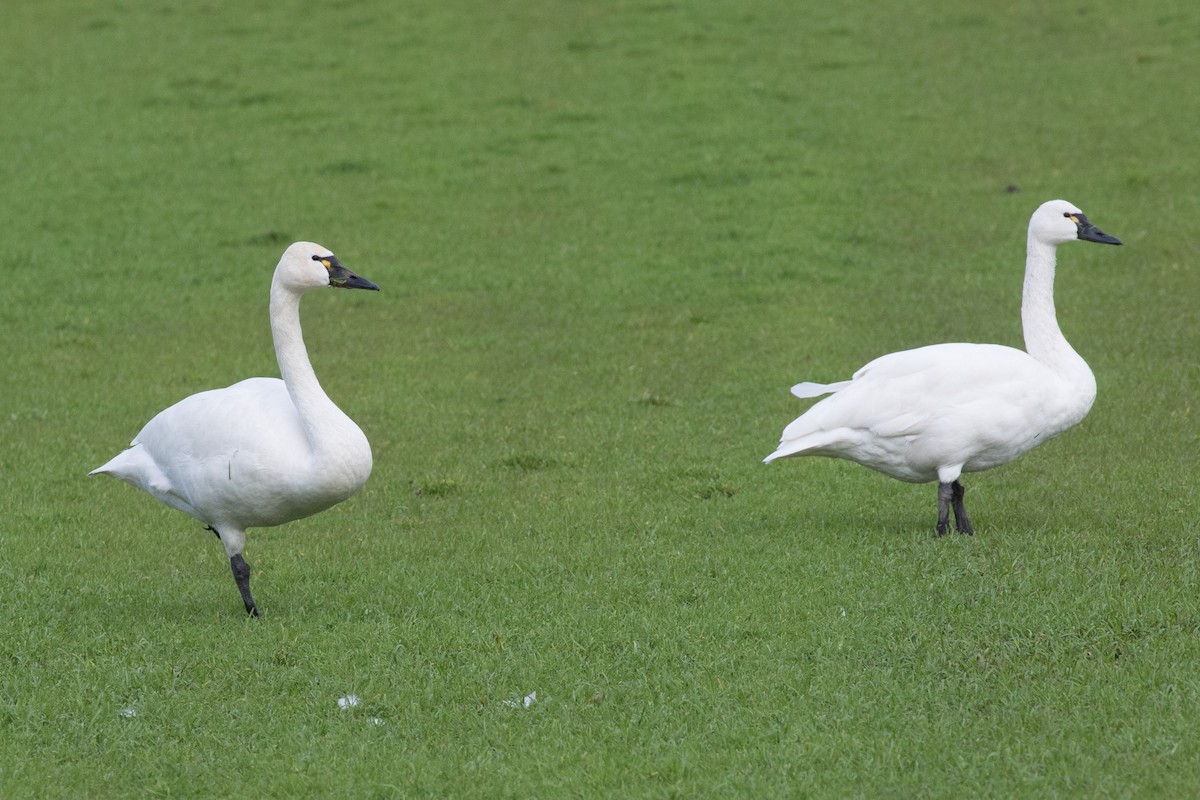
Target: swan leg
x,y
961,523
241,574
234,540
945,494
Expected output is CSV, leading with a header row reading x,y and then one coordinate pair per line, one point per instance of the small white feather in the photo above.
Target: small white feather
x,y
810,389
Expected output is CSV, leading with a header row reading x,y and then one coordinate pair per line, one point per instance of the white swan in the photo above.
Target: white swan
x,y
263,451
936,412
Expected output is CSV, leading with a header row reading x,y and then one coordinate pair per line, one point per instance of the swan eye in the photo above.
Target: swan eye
x,y
1066,214
326,261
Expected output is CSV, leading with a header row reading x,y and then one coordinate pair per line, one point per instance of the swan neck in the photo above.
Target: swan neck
x,y
1044,340
294,366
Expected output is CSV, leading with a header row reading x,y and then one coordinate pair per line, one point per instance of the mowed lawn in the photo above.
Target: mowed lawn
x,y
609,236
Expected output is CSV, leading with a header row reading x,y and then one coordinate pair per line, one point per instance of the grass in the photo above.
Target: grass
x,y
609,236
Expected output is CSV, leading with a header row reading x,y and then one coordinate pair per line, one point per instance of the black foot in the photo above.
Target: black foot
x,y
961,523
241,574
945,493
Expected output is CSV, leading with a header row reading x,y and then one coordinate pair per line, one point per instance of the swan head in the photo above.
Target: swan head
x,y
1057,221
306,265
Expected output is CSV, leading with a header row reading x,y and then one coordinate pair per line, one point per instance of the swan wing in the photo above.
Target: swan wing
x,y
255,415
237,453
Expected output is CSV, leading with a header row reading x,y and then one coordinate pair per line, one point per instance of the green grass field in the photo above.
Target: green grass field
x,y
610,236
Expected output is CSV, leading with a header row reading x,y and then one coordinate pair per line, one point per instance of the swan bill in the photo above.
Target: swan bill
x,y
1090,233
341,277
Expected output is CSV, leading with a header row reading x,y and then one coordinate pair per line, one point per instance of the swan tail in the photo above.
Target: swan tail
x,y
137,467
119,466
809,389
800,446
773,456
134,465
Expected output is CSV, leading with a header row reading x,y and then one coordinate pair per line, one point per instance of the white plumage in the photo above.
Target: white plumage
x,y
936,412
263,451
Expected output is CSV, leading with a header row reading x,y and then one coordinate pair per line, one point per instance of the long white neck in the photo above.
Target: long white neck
x,y
316,410
1044,340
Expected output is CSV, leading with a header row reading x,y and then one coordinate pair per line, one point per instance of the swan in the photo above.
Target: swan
x,y
263,451
936,412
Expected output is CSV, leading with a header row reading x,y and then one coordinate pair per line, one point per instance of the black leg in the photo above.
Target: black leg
x,y
945,492
961,523
241,574
215,532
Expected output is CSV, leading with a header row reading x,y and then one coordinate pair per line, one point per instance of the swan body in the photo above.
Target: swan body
x,y
263,451
936,412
